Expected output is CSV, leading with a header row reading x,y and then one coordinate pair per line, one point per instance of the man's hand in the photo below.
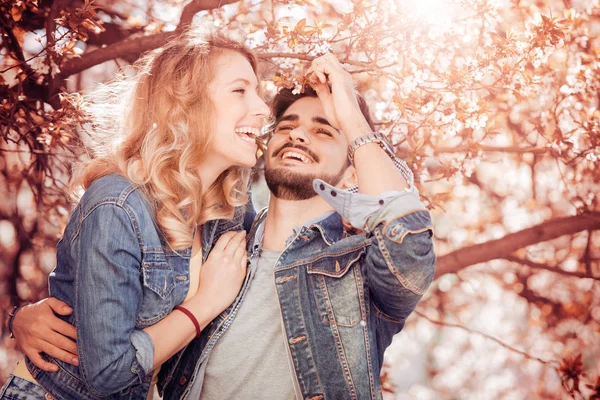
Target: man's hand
x,y
340,104
37,329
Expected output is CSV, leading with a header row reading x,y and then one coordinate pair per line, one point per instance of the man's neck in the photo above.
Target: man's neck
x,y
284,215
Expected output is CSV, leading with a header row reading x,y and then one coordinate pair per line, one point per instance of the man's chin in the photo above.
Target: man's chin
x,y
287,184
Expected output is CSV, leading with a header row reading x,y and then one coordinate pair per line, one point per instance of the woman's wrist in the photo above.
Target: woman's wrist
x,y
202,308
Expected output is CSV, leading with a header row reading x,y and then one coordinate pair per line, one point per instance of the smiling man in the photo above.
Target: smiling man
x,y
320,303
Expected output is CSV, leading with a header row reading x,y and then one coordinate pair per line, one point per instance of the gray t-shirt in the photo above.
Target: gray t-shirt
x,y
250,360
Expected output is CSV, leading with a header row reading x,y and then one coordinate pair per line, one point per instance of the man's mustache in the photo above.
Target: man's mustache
x,y
299,147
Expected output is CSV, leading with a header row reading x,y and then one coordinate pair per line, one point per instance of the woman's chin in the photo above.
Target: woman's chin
x,y
246,161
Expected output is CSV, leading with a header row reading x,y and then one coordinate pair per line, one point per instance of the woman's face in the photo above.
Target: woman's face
x,y
238,112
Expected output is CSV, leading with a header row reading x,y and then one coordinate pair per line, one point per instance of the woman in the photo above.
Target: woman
x,y
133,247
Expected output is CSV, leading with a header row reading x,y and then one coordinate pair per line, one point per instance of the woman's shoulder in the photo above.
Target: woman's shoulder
x,y
116,190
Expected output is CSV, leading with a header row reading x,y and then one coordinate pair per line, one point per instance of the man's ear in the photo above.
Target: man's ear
x,y
349,179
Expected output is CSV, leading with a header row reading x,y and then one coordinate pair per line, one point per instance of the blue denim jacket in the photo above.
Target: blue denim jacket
x,y
342,297
116,270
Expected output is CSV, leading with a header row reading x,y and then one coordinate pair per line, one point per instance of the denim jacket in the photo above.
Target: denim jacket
x,y
116,270
342,297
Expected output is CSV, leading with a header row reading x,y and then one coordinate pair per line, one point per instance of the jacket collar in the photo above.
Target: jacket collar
x,y
330,228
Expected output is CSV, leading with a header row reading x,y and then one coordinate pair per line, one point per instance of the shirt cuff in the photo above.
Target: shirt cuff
x,y
144,347
408,207
355,207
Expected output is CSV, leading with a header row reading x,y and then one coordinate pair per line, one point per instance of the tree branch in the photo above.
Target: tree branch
x,y
306,57
137,45
509,149
503,247
195,6
485,335
51,57
13,46
122,49
557,270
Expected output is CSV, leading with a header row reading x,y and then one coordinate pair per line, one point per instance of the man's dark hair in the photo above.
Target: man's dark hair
x,y
285,98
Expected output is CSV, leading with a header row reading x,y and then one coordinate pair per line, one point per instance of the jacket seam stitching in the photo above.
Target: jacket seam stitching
x,y
381,315
319,257
338,341
389,262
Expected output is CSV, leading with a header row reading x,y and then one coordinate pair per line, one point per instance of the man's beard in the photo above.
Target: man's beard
x,y
291,185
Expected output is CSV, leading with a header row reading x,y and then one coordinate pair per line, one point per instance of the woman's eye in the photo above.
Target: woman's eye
x,y
242,91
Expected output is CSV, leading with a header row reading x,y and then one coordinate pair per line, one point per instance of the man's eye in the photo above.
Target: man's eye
x,y
242,91
323,131
285,128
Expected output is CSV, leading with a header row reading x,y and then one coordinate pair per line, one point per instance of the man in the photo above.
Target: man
x,y
320,305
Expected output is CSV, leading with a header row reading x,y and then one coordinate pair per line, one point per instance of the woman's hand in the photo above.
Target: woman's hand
x,y
222,275
38,330
340,103
221,278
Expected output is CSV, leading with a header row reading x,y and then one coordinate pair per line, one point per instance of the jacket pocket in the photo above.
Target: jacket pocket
x,y
336,283
158,284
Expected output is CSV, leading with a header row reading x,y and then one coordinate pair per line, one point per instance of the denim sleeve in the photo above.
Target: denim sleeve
x,y
400,263
113,354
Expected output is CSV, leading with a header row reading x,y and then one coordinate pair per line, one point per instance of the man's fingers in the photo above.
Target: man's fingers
x,y
60,354
59,307
322,90
66,329
42,364
61,342
322,78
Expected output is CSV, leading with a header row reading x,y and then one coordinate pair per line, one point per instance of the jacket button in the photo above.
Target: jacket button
x,y
182,380
48,396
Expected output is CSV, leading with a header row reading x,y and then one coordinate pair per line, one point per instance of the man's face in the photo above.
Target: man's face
x,y
304,146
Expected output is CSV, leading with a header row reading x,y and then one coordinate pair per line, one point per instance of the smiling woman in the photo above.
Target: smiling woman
x,y
238,112
173,149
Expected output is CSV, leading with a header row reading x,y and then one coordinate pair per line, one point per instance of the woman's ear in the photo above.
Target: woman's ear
x,y
349,179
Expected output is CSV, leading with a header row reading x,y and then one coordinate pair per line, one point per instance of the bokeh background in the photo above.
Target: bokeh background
x,y
494,104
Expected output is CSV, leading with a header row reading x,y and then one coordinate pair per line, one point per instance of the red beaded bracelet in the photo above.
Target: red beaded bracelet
x,y
191,317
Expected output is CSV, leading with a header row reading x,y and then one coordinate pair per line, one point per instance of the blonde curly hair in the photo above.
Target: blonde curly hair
x,y
154,129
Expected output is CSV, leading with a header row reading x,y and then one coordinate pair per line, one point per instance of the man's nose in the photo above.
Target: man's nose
x,y
298,135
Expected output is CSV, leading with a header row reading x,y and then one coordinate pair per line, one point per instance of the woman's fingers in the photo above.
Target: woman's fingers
x,y
239,240
237,256
223,241
244,262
